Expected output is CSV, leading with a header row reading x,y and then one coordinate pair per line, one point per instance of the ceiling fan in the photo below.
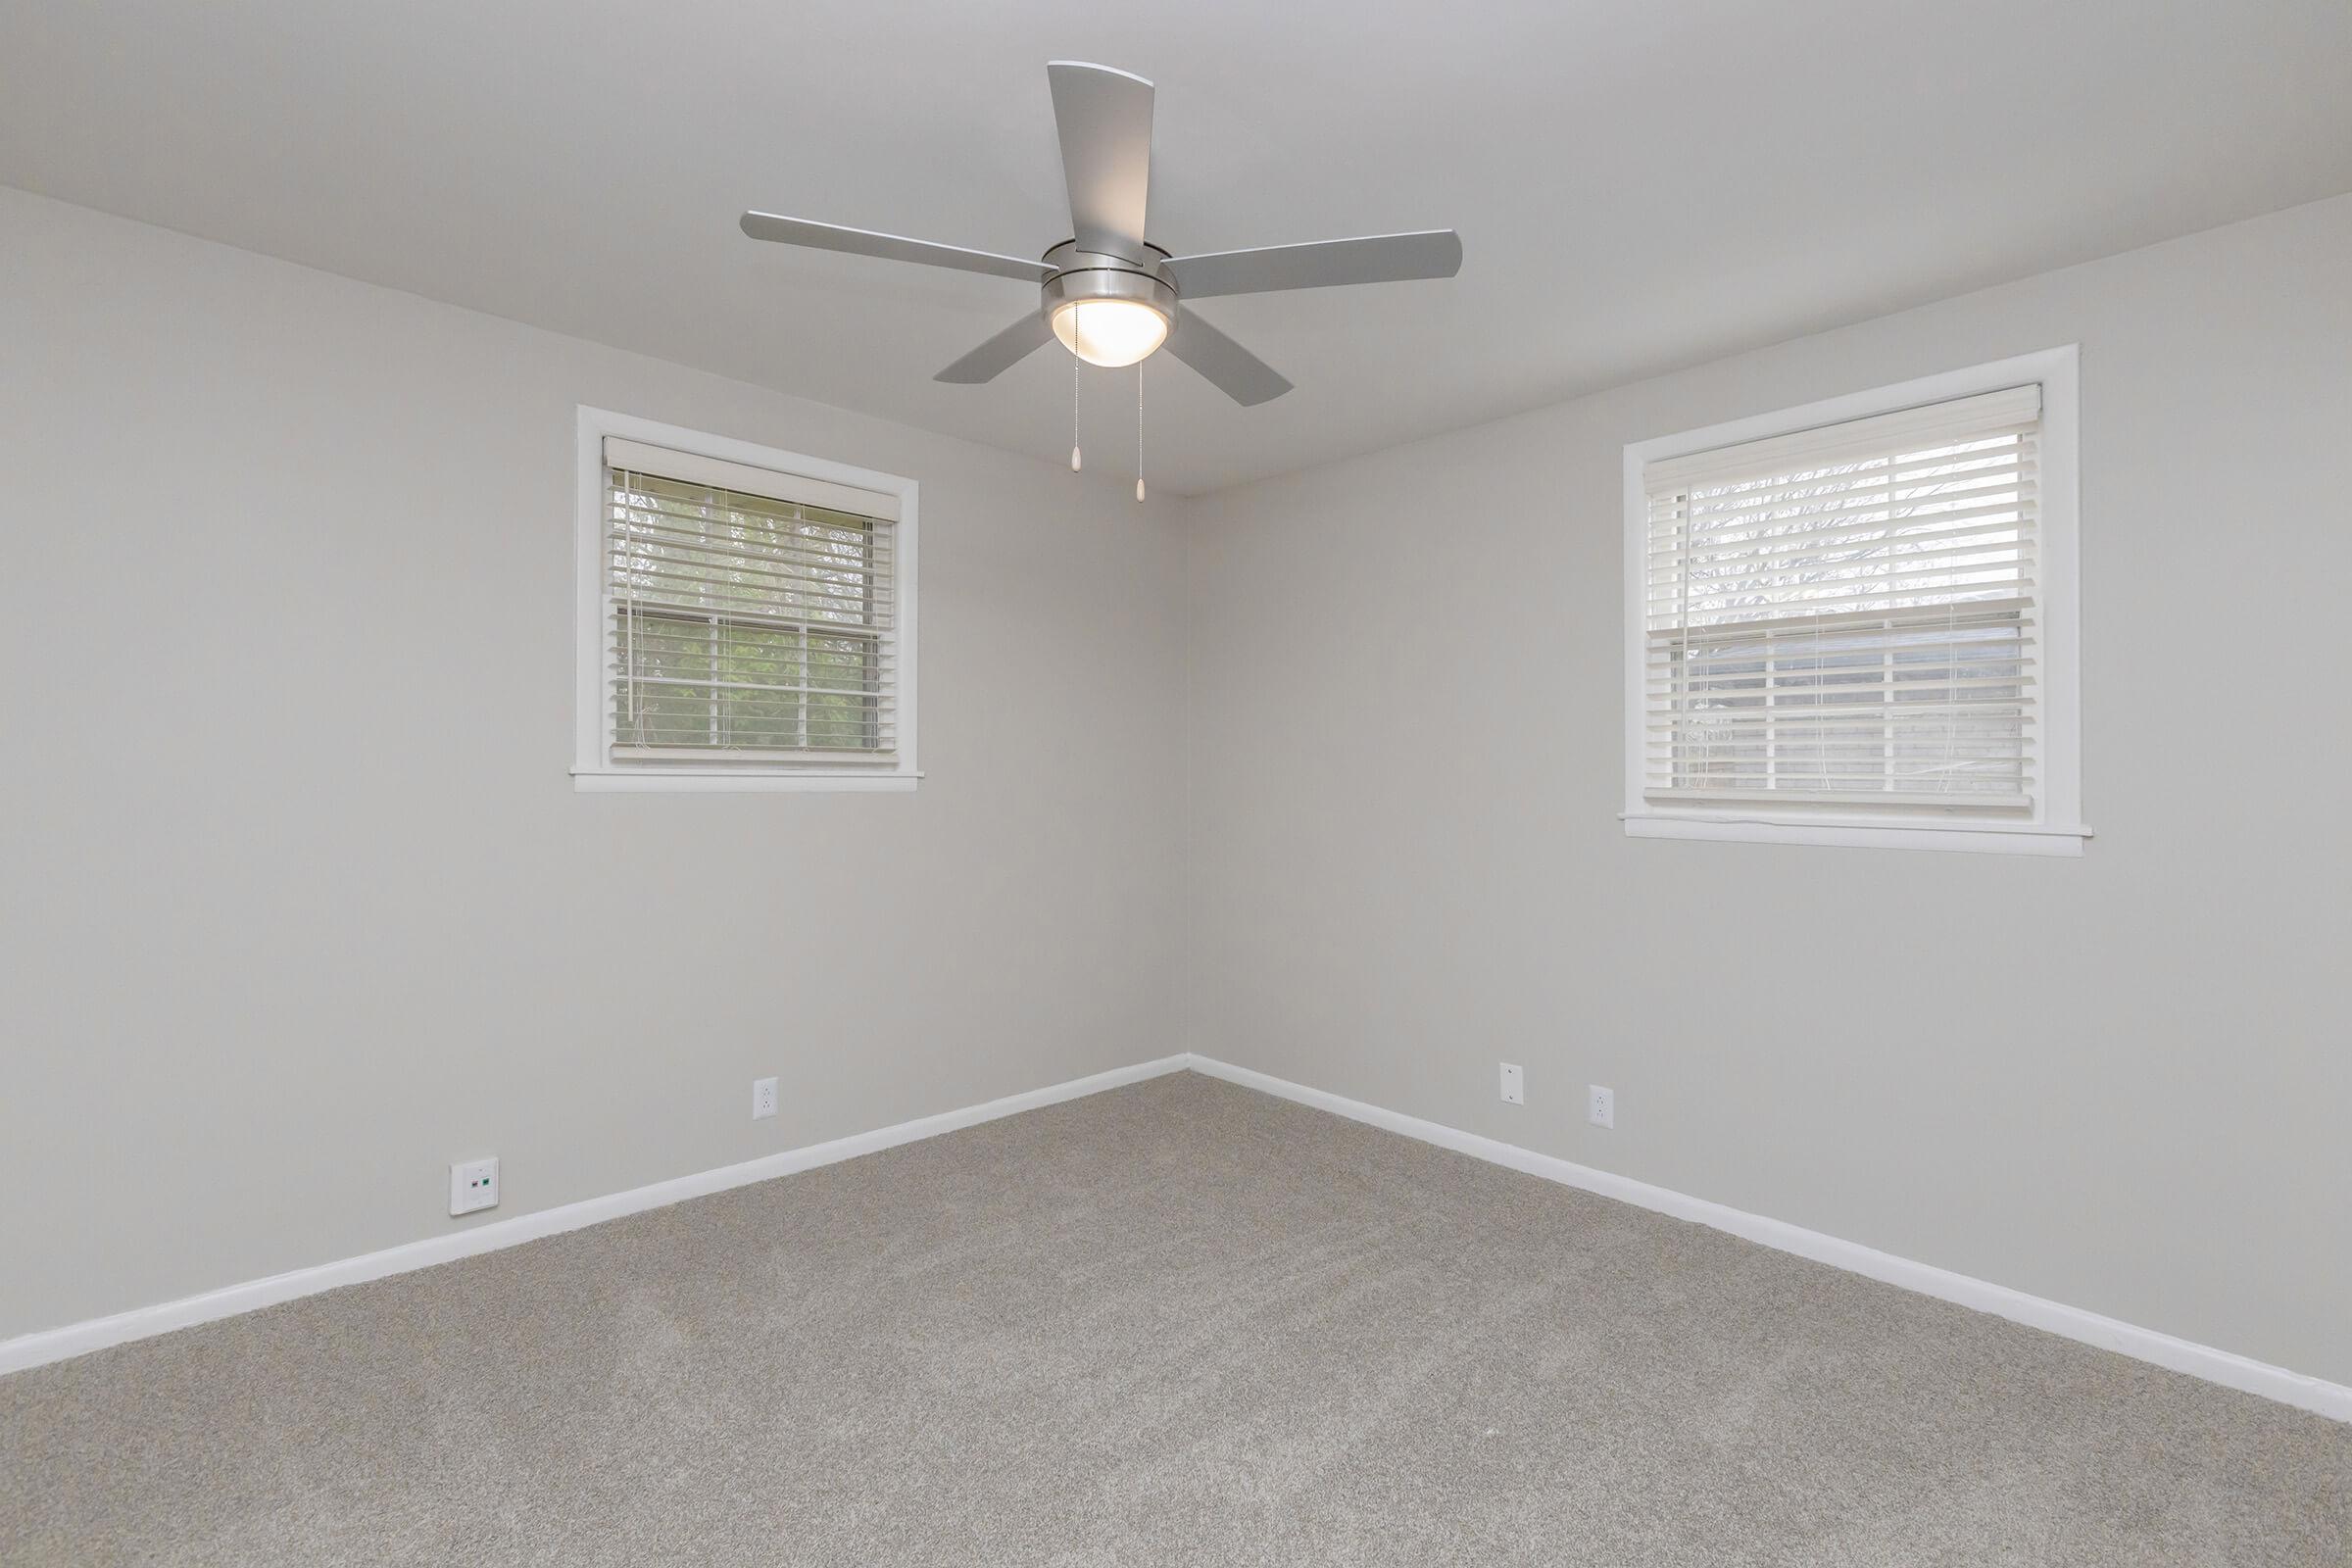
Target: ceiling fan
x,y
1108,294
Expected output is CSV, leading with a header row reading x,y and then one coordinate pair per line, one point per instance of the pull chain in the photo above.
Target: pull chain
x,y
1075,413
1139,429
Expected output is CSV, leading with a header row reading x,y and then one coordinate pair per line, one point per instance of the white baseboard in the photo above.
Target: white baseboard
x,y
2332,1399
2316,1394
76,1338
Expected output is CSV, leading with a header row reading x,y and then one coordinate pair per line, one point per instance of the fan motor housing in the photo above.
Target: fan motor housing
x,y
1079,275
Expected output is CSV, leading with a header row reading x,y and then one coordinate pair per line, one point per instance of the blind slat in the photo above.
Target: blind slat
x,y
1930,528
1861,485
784,537
1723,518
750,759
1973,805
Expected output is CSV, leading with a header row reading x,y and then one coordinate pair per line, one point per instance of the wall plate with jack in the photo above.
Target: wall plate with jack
x,y
1600,1109
473,1184
1514,1084
763,1098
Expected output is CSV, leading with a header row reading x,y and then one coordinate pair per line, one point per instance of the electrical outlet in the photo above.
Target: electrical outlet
x,y
1514,1085
763,1098
1601,1107
473,1184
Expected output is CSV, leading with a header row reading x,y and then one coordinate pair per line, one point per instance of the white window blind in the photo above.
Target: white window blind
x,y
1847,617
749,616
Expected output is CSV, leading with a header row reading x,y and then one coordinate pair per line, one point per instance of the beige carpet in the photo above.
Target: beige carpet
x,y
1175,1323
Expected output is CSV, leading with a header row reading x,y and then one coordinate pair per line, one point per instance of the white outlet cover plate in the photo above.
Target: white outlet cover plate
x,y
763,1098
1601,1110
473,1184
1514,1084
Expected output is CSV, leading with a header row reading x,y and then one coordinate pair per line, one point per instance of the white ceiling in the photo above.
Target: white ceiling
x,y
1638,183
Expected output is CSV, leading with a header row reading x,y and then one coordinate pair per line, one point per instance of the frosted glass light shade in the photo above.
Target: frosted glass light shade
x,y
1110,332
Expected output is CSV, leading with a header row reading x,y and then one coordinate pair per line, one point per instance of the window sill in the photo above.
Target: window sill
x,y
722,781
1980,838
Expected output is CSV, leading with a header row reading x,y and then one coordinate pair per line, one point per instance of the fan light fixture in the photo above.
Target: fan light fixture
x,y
1110,332
1111,296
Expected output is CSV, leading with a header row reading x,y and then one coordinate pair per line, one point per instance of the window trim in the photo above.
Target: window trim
x,y
2055,827
592,769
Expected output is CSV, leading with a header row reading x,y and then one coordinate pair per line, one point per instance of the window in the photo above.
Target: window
x,y
747,615
1854,622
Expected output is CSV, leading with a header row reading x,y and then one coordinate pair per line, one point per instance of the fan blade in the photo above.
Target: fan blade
x,y
1228,367
891,247
1321,263
1104,118
1001,353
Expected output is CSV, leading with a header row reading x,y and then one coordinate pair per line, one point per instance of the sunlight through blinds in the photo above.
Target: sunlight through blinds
x,y
748,615
1847,616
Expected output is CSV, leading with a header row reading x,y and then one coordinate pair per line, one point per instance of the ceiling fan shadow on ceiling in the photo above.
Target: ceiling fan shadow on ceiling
x,y
1110,295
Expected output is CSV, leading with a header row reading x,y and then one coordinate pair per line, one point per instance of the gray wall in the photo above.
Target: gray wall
x,y
2124,1082
300,904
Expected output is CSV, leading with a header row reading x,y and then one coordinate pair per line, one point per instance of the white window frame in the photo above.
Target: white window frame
x,y
2055,825
592,769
